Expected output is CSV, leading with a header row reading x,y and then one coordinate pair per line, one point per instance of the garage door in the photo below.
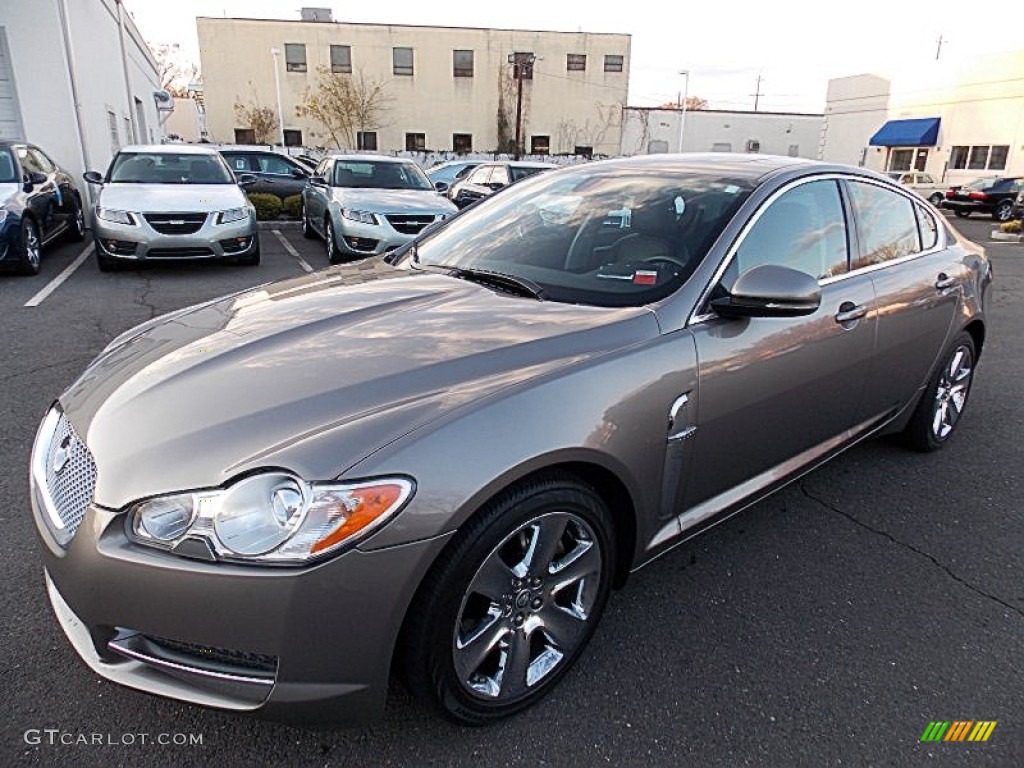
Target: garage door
x,y
10,114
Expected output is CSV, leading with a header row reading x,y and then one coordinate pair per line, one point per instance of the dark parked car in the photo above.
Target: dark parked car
x,y
994,196
260,503
487,179
276,174
1018,205
39,202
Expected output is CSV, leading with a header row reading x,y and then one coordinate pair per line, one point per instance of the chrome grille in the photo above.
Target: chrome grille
x,y
70,481
409,224
176,223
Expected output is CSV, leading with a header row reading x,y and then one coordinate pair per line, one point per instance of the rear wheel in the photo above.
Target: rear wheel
x,y
962,214
938,414
1003,211
512,602
31,248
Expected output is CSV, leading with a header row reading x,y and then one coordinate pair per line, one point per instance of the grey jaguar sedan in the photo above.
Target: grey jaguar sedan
x,y
441,466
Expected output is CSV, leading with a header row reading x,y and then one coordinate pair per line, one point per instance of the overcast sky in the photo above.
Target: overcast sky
x,y
795,46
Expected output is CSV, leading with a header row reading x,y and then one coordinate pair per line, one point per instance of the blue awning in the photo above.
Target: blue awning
x,y
920,132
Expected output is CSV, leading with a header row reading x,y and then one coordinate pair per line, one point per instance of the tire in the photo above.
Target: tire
x,y
307,228
938,414
333,256
76,227
1003,211
460,650
935,199
961,214
250,260
30,249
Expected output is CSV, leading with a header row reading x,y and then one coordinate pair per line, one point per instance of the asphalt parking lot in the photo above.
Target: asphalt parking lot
x,y
825,626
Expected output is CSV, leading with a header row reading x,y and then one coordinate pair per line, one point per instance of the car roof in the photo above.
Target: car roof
x,y
356,157
170,149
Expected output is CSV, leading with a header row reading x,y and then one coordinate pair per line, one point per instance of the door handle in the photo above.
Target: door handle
x,y
850,312
944,281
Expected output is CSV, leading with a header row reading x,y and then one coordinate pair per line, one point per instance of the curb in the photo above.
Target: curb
x,y
1006,237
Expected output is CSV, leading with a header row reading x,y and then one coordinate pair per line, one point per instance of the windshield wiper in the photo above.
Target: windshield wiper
x,y
499,280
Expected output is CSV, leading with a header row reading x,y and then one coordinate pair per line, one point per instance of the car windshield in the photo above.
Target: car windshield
x,y
981,184
371,174
604,237
521,172
168,168
7,174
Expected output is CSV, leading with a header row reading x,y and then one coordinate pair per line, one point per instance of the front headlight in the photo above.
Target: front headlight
x,y
232,214
273,518
117,217
363,217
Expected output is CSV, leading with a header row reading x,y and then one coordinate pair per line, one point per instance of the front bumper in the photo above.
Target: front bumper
x,y
140,242
355,238
295,644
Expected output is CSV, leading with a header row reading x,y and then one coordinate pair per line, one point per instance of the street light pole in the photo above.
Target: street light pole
x,y
276,52
682,106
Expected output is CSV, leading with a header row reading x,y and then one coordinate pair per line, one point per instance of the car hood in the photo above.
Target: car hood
x,y
314,374
8,191
393,200
171,197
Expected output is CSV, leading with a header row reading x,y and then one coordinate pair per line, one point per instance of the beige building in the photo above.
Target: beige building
x,y
446,88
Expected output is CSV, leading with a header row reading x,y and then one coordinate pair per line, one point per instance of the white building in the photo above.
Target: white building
x,y
651,130
444,88
956,120
51,50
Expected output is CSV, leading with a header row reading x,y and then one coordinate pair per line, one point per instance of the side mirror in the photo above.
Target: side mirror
x,y
770,291
297,174
440,186
247,180
93,177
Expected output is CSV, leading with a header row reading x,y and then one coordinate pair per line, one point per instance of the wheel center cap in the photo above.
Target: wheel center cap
x,y
523,599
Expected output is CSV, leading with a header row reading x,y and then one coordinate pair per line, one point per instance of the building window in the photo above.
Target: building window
x,y
415,142
366,140
613,63
292,137
462,142
575,62
584,151
978,158
115,139
794,150
295,57
245,136
997,160
402,60
900,159
958,158
540,145
462,63
341,58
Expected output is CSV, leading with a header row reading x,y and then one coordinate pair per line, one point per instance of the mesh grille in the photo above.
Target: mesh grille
x,y
71,480
255,661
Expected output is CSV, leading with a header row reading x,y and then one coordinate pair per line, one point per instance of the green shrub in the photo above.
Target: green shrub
x,y
293,206
268,207
1013,227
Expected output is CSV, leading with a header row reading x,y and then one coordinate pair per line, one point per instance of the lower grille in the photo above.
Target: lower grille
x,y
408,224
178,253
70,475
257,662
176,223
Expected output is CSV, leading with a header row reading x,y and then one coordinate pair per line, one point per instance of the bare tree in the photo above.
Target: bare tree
x,y
693,104
262,120
345,104
590,133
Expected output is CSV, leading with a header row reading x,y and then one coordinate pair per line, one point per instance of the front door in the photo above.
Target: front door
x,y
774,389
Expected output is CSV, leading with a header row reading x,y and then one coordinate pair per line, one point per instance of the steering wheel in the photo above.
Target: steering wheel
x,y
666,260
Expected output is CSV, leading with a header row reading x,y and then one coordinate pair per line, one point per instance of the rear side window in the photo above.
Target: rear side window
x,y
887,224
803,229
237,163
481,175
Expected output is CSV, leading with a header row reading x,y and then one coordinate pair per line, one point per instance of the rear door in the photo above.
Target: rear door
x,y
917,284
774,393
278,175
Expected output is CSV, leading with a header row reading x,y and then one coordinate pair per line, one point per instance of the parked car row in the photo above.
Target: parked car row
x,y
995,196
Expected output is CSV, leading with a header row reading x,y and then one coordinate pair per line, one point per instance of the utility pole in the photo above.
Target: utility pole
x,y
522,66
938,49
757,92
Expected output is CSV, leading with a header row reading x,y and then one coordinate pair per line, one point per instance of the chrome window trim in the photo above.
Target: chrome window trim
x,y
697,317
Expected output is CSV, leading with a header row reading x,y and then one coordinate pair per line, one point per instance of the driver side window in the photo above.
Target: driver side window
x,y
804,229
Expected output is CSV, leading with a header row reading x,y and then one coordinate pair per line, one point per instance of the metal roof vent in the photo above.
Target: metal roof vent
x,y
317,14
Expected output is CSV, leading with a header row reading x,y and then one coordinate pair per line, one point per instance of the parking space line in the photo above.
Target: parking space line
x,y
54,284
291,249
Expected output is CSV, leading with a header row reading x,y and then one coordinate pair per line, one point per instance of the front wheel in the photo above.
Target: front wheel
x,y
333,255
938,414
1003,211
962,214
31,248
512,602
307,227
76,222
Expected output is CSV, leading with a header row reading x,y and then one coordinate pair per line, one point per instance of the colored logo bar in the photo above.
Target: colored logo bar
x,y
958,730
